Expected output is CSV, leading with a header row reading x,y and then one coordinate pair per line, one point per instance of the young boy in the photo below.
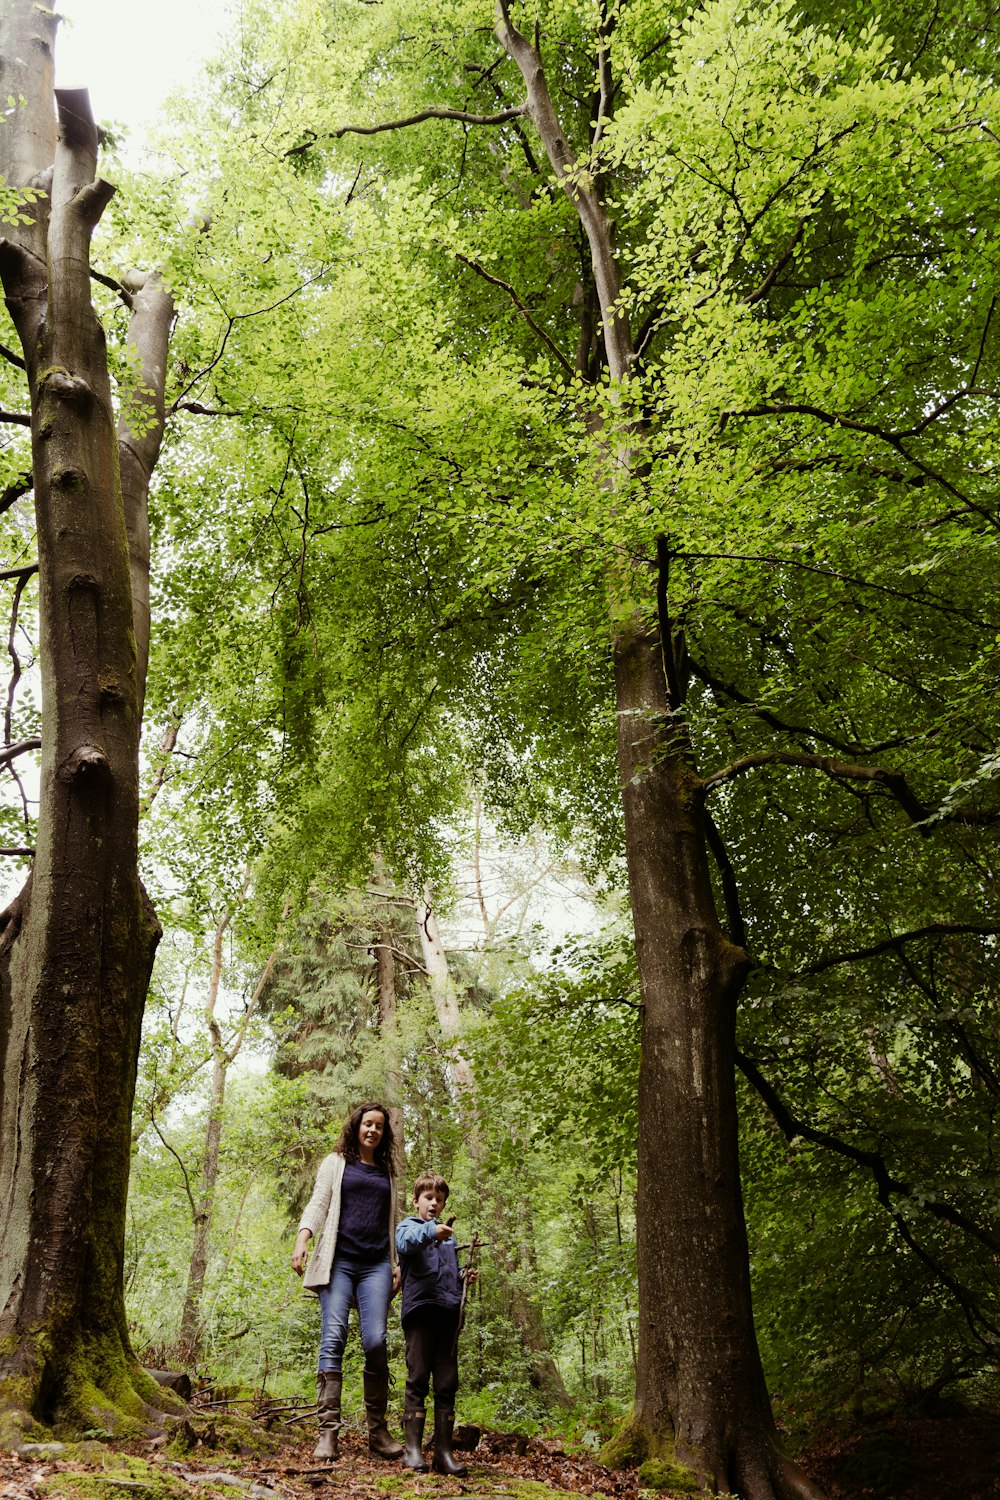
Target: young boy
x,y
432,1298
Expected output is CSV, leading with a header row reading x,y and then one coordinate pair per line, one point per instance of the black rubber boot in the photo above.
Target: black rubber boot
x,y
444,1459
413,1429
328,1388
380,1440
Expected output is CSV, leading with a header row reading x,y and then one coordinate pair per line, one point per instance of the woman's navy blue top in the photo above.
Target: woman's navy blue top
x,y
363,1228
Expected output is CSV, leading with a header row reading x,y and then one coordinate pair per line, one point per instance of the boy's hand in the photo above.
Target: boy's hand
x,y
470,1276
444,1232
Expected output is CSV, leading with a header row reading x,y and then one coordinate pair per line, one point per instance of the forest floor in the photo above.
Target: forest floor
x,y
956,1457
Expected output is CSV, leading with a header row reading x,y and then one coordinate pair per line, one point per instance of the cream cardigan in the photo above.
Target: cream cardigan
x,y
321,1217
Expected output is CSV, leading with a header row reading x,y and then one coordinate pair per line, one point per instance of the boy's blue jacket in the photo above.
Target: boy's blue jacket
x,y
431,1277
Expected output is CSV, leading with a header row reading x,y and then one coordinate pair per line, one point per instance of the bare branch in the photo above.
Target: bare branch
x,y
173,1153
10,752
505,286
462,115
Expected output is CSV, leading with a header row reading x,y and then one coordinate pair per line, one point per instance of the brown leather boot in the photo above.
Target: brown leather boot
x,y
413,1427
328,1388
444,1460
380,1440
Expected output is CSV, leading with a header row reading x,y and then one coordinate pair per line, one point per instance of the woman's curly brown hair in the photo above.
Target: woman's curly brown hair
x,y
348,1143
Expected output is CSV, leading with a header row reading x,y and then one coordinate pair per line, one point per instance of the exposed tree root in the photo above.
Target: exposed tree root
x,y
45,1399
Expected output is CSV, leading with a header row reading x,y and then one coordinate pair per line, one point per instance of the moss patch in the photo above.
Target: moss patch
x,y
400,1485
231,1433
627,1447
121,1477
661,1474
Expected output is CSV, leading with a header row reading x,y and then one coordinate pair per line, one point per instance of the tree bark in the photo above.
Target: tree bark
x,y
385,978
77,944
446,1008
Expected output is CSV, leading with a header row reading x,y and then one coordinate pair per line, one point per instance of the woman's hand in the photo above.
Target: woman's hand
x,y
397,1280
301,1252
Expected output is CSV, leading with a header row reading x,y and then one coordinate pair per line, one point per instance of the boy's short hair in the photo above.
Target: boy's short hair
x,y
430,1182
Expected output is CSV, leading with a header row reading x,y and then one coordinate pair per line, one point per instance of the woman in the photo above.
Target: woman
x,y
352,1214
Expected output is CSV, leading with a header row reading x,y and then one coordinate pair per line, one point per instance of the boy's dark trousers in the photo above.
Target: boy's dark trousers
x,y
431,1353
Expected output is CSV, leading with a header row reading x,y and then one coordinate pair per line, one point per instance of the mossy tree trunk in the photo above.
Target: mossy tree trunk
x,y
77,943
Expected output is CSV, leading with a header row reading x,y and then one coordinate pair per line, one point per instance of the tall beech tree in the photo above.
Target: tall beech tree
x,y
78,941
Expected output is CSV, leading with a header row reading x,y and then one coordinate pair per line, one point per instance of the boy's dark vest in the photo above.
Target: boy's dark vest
x,y
430,1278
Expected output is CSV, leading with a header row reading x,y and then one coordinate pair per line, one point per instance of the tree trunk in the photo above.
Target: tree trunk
x,y
190,1334
700,1391
514,1250
77,944
449,1017
223,1057
385,978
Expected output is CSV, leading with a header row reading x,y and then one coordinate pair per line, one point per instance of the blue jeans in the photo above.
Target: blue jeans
x,y
369,1285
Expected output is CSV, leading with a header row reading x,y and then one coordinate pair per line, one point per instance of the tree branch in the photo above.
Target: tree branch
x,y
887,1185
929,601
14,491
893,781
729,690
730,886
505,286
933,929
765,286
463,115
173,1153
10,752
